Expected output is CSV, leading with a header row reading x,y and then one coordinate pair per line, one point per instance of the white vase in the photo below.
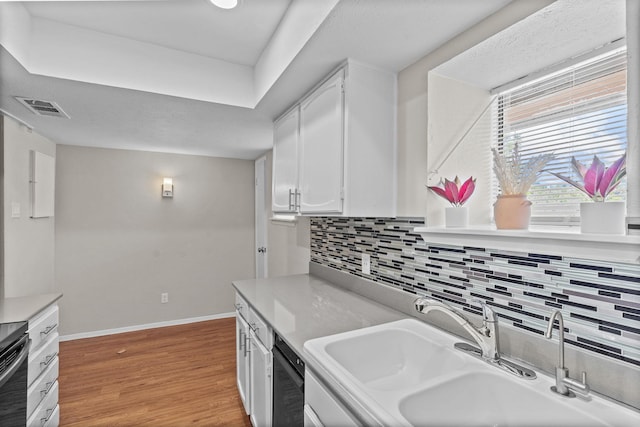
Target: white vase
x,y
456,217
602,217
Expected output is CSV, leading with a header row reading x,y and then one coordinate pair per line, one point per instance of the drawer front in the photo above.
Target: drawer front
x,y
41,358
43,326
45,413
261,329
325,407
242,306
41,388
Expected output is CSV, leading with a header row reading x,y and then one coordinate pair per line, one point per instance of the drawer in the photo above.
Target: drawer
x,y
242,306
327,410
41,388
41,358
261,328
47,414
43,326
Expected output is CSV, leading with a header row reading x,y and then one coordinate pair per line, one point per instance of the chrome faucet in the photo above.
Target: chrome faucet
x,y
486,336
565,385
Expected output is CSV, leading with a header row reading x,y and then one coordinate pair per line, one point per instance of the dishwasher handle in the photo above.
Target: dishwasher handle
x,y
8,373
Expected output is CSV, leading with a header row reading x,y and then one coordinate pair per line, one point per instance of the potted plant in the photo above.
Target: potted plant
x,y
512,210
598,181
456,194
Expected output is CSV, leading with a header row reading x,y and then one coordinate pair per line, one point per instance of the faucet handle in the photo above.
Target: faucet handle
x,y
488,315
579,387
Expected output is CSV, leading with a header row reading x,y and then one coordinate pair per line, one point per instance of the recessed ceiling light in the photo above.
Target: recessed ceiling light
x,y
225,4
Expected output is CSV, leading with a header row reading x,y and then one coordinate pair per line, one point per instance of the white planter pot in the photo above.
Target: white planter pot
x,y
602,217
456,217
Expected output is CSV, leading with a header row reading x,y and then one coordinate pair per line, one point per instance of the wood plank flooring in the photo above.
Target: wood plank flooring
x,y
173,376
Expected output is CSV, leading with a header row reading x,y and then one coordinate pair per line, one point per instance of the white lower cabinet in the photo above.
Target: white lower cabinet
x,y
42,371
321,408
242,361
254,362
261,382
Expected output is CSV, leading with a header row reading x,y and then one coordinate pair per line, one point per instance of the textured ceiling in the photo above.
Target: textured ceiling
x,y
562,30
158,45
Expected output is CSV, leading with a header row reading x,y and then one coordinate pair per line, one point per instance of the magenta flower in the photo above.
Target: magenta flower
x,y
453,192
597,180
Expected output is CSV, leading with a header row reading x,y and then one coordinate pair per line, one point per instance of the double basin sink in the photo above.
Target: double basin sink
x,y
408,373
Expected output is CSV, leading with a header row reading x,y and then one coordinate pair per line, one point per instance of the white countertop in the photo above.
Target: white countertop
x,y
303,307
20,309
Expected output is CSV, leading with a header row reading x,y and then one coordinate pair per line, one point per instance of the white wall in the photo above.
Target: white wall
x,y
119,244
453,107
413,101
28,243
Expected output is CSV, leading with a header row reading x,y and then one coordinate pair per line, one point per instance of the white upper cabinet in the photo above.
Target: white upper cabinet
x,y
285,163
321,142
345,147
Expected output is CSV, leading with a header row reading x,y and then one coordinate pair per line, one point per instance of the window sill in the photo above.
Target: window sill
x,y
557,241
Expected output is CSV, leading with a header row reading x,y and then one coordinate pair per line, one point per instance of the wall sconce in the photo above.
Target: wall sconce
x,y
167,187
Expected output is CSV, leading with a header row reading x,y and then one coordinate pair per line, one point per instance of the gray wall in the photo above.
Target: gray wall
x,y
28,244
119,244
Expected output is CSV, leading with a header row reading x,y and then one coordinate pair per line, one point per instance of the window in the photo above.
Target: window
x,y
577,111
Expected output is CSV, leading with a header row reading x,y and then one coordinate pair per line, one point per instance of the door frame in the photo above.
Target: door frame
x,y
261,218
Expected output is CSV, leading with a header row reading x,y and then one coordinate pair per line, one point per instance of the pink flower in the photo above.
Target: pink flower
x,y
597,180
453,192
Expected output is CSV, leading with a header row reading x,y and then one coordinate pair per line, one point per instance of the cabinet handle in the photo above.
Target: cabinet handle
x,y
253,326
246,345
46,419
238,306
242,341
291,202
48,329
48,388
48,359
297,200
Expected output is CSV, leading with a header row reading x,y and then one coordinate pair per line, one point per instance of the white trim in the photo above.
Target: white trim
x,y
142,327
615,248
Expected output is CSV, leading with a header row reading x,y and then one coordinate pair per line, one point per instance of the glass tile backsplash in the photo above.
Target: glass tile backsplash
x,y
600,301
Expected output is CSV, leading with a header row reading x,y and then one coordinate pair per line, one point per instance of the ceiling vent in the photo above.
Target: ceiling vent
x,y
42,108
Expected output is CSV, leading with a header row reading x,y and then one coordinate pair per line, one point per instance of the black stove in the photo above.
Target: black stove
x,y
10,332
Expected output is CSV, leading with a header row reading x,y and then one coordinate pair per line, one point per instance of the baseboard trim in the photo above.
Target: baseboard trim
x,y
142,327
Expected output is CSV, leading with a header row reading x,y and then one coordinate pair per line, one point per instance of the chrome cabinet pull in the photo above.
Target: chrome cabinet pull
x,y
238,306
48,329
298,195
46,419
241,341
48,388
48,359
291,202
246,345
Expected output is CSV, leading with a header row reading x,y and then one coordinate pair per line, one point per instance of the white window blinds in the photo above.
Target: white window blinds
x,y
579,111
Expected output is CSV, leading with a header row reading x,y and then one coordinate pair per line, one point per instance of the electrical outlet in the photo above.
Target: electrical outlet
x,y
366,264
164,297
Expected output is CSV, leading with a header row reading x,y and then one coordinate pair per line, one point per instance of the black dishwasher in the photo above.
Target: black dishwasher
x,y
288,385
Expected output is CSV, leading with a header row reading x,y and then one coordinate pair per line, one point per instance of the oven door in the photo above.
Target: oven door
x,y
288,393
13,383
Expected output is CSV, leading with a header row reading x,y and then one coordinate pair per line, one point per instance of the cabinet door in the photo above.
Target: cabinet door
x,y
261,385
242,361
321,142
285,162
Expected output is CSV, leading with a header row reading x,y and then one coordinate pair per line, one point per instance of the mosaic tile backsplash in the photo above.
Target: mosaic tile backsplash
x,y
600,301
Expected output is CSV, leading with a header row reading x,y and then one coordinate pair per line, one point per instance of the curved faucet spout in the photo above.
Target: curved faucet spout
x,y
486,336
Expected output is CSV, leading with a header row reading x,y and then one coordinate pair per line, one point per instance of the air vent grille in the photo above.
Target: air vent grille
x,y
42,108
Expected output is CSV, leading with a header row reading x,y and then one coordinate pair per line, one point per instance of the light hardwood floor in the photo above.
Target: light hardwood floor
x,y
174,376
